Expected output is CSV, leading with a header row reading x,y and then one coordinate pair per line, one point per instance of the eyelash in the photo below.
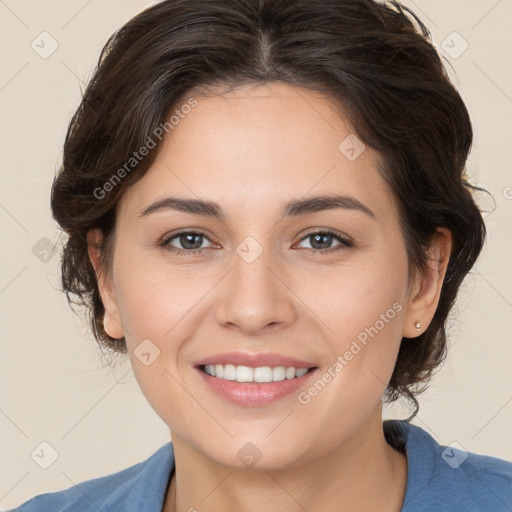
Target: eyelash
x,y
344,243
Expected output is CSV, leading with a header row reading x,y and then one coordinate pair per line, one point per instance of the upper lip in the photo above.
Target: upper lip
x,y
254,360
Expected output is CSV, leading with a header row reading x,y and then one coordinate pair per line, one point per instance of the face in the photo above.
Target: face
x,y
276,280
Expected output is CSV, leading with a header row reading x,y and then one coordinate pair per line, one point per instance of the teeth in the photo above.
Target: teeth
x,y
247,374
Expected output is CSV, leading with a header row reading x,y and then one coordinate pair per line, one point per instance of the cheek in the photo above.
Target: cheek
x,y
157,311
154,300
354,298
363,309
160,308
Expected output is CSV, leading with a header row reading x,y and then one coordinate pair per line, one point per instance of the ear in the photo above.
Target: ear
x,y
426,290
111,321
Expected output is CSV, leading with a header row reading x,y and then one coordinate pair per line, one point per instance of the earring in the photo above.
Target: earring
x,y
418,326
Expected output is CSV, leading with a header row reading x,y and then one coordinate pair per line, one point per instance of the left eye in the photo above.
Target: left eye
x,y
321,241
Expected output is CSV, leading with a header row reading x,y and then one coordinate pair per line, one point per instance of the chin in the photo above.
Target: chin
x,y
255,455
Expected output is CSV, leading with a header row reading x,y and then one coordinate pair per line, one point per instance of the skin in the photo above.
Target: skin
x,y
251,150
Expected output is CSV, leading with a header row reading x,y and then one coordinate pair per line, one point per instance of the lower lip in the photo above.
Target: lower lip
x,y
254,393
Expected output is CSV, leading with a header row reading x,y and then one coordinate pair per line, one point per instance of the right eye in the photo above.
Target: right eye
x,y
190,241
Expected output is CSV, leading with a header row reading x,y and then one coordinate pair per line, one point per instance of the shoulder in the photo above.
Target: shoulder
x,y
138,487
450,478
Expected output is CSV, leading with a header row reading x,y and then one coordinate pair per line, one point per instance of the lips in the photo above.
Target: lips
x,y
252,391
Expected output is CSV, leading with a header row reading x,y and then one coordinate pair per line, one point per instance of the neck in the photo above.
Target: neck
x,y
364,473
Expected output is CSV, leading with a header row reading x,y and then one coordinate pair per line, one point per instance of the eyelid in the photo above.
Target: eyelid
x,y
164,241
344,240
328,231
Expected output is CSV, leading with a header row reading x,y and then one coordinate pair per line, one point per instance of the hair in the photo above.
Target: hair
x,y
374,60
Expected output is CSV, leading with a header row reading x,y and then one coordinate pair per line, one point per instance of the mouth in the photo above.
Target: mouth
x,y
254,379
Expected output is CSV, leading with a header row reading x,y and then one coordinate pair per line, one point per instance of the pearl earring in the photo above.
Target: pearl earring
x,y
418,326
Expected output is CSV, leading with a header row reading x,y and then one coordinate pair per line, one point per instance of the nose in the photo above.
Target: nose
x,y
255,297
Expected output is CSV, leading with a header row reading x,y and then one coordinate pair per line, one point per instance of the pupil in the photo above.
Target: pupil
x,y
185,239
319,237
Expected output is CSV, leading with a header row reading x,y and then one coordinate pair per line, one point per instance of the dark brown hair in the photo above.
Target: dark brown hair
x,y
374,60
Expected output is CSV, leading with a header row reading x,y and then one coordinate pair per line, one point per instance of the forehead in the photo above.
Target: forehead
x,y
257,146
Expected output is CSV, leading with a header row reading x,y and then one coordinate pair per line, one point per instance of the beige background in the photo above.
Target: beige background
x,y
54,388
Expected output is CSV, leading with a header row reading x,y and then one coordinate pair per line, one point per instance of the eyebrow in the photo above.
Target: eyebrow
x,y
293,208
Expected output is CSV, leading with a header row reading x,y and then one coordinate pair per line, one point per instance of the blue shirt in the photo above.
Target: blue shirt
x,y
439,479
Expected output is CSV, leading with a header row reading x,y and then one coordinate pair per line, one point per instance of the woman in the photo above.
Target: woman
x,y
267,211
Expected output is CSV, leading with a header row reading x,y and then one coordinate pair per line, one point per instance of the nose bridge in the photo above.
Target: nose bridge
x,y
255,297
